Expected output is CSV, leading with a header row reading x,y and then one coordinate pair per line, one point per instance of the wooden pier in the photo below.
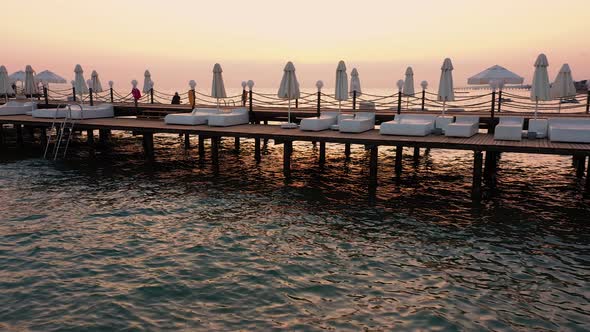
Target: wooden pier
x,y
372,140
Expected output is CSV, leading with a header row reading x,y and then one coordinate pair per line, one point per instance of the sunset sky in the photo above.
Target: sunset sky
x,y
181,40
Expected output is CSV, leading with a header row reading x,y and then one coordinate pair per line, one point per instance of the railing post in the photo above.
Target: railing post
x,y
492,118
151,95
250,108
74,93
588,103
423,98
244,96
194,94
112,99
90,94
399,102
319,102
296,103
45,95
500,101
354,99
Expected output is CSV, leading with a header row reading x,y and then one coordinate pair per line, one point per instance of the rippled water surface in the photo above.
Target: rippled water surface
x,y
113,242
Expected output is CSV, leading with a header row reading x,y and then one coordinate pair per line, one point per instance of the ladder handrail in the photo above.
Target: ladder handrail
x,y
53,127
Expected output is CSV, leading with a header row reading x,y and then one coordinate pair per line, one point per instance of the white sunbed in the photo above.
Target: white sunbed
x,y
572,130
409,125
235,117
361,122
509,128
198,116
17,108
464,126
323,122
86,112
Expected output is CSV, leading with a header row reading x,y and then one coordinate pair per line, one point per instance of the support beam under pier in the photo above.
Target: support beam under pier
x,y
373,163
287,151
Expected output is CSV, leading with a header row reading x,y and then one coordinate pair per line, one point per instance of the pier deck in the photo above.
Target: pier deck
x,y
371,140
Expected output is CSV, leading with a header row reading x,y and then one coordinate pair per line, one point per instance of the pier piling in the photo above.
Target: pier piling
x,y
148,145
19,135
215,150
322,159
399,151
90,136
257,155
416,155
347,150
201,147
580,166
187,141
477,173
373,163
287,151
237,144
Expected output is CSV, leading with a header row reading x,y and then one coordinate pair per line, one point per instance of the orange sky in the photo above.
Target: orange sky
x,y
181,40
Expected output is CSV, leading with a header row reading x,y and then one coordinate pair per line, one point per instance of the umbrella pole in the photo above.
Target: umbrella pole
x,y
217,105
289,112
444,106
536,107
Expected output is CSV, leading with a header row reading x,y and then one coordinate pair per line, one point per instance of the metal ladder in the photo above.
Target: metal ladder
x,y
61,132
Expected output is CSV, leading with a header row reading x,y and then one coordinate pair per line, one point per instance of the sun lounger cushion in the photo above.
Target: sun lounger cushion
x,y
573,130
87,112
323,122
409,125
17,108
198,116
464,126
509,128
235,117
361,122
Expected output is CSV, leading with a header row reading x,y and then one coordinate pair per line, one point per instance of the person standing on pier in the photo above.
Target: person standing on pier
x,y
176,99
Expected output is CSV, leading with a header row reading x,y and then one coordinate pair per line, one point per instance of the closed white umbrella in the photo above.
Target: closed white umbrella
x,y
355,82
217,86
563,86
48,76
495,74
5,86
341,88
445,87
30,84
147,81
408,88
96,85
79,81
540,90
289,89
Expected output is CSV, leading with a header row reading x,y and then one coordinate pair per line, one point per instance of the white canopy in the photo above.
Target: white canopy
x,y
30,84
79,81
96,85
289,88
5,86
17,76
355,82
445,87
496,74
563,86
48,76
409,82
147,81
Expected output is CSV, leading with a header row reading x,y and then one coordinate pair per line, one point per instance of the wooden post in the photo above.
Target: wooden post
x,y
296,103
347,150
45,95
91,99
112,99
588,103
399,152
194,95
215,150
43,136
354,100
74,93
373,162
319,102
416,155
322,159
148,145
151,95
103,135
19,135
287,149
399,102
257,156
423,98
250,108
201,147
237,144
187,141
90,134
477,165
500,101
492,127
